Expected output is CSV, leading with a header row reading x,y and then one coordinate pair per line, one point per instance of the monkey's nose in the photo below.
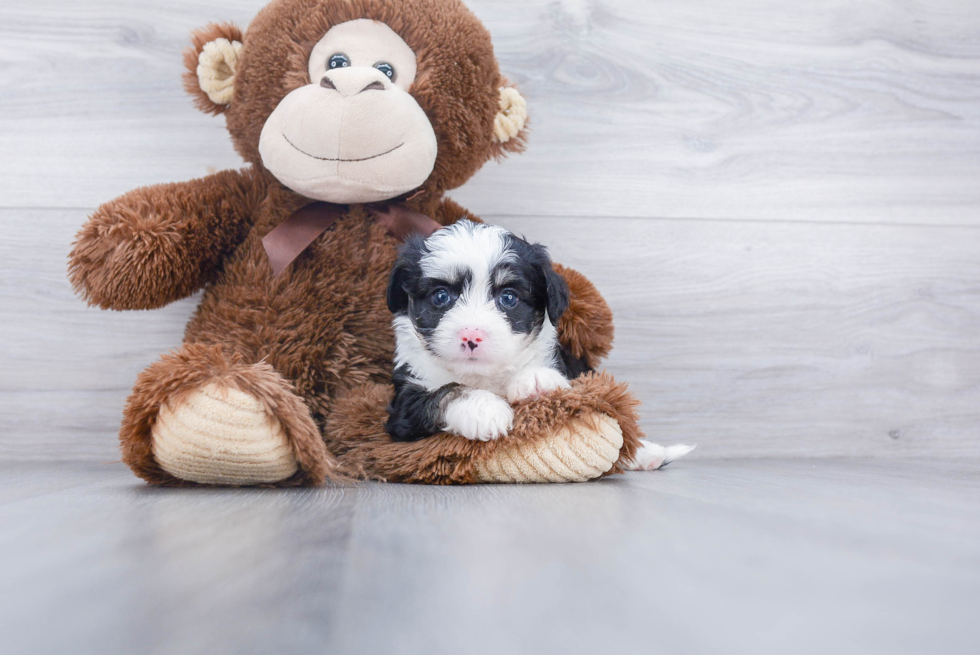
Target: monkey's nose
x,y
351,81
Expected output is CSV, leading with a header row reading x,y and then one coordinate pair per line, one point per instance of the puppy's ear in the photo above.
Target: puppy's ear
x,y
558,294
406,269
397,296
556,289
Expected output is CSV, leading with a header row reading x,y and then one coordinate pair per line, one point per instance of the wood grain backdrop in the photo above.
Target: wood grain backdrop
x,y
779,198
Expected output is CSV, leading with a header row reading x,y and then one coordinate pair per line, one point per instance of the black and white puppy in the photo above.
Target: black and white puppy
x,y
475,314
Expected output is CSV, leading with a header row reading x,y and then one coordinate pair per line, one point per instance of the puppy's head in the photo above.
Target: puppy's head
x,y
477,297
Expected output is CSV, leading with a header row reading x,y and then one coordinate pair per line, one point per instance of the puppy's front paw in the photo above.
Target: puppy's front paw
x,y
479,415
534,382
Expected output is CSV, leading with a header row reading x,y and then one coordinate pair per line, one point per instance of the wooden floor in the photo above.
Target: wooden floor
x,y
780,200
742,556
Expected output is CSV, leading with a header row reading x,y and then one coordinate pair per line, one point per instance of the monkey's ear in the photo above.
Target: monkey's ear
x,y
211,62
510,123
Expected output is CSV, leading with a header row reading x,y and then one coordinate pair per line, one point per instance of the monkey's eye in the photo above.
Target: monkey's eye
x,y
338,61
441,297
508,299
387,69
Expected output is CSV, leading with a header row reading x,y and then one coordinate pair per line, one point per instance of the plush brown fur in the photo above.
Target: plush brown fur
x,y
321,331
155,245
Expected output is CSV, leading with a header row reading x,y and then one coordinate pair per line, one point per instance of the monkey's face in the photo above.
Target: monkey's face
x,y
352,102
355,134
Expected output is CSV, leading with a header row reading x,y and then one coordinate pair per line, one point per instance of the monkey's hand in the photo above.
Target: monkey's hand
x,y
155,245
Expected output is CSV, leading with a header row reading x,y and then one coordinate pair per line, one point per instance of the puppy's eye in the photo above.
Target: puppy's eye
x,y
338,61
387,69
508,299
441,298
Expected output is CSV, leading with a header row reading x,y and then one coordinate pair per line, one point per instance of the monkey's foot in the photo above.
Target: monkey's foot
x,y
568,435
200,416
219,435
581,450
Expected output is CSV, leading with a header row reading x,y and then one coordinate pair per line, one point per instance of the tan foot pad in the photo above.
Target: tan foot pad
x,y
218,435
581,451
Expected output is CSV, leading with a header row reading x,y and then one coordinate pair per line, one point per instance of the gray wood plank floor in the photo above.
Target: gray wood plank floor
x,y
743,556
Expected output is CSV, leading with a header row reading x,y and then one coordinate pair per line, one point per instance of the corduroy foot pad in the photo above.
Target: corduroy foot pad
x,y
219,435
582,450
570,435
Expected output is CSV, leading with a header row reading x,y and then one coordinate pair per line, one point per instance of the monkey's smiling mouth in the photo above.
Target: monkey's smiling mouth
x,y
299,150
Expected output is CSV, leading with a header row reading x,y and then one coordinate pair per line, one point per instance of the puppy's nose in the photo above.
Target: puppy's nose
x,y
471,338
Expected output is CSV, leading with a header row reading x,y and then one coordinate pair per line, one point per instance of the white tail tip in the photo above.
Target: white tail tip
x,y
651,456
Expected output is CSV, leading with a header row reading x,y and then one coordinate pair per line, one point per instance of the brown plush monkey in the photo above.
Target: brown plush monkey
x,y
371,109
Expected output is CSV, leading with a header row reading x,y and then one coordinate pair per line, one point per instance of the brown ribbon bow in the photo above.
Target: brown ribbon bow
x,y
295,234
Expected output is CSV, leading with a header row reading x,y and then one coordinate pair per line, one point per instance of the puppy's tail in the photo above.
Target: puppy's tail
x,y
651,456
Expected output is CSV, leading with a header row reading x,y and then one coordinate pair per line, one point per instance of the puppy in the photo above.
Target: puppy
x,y
475,314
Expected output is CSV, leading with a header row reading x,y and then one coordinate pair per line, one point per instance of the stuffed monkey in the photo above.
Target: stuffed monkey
x,y
355,118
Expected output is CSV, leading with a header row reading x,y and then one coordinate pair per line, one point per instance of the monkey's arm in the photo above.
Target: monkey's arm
x,y
585,330
157,244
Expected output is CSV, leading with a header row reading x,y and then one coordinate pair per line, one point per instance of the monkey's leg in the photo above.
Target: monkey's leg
x,y
568,435
202,416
